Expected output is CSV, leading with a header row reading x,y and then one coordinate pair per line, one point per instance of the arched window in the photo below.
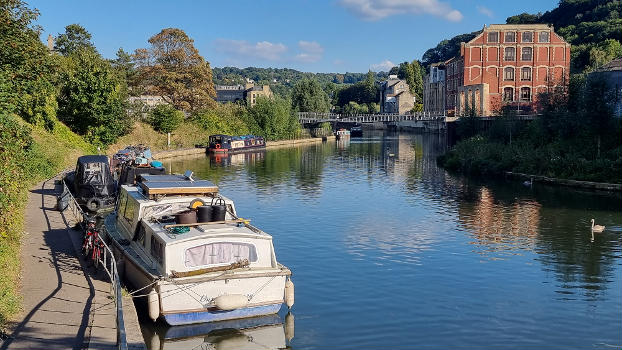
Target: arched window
x,y
525,94
525,73
508,94
510,54
508,73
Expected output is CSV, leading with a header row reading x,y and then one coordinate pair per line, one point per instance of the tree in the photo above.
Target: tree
x,y
93,97
27,73
75,38
165,118
274,117
308,96
604,52
172,68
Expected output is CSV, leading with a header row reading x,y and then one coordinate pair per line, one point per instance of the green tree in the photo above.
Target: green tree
x,y
274,117
73,39
308,96
27,69
172,68
93,98
165,118
604,52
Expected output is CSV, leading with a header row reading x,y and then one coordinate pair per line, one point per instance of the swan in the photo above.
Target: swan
x,y
528,183
597,228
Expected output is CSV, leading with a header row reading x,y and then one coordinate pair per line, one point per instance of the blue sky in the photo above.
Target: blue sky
x,y
313,36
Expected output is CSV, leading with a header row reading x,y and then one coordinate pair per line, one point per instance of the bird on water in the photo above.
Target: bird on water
x,y
597,228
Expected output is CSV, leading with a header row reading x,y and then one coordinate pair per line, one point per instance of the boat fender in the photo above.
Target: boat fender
x,y
94,204
231,301
153,304
289,326
289,293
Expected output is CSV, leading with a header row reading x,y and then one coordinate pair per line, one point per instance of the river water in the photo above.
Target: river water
x,y
390,251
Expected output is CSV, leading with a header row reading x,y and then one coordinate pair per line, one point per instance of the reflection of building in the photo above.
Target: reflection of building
x,y
237,93
395,96
612,74
500,225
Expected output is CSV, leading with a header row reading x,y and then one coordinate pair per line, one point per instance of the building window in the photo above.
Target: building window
x,y
543,37
508,73
510,37
525,73
510,54
493,37
527,53
527,37
525,94
508,94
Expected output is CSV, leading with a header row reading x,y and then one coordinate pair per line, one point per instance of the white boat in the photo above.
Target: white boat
x,y
194,272
342,134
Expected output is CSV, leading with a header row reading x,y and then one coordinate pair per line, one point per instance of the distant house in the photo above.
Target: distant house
x,y
238,93
149,101
395,96
434,89
612,74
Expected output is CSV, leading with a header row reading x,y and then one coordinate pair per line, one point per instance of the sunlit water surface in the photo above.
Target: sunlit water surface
x,y
390,251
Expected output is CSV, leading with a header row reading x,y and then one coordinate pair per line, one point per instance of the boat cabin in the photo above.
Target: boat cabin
x,y
148,217
92,183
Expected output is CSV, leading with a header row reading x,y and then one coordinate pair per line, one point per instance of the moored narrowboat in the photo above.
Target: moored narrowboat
x,y
231,144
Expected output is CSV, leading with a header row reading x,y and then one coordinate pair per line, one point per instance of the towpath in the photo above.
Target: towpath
x,y
66,303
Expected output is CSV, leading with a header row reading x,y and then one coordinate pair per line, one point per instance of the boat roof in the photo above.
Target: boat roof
x,y
175,185
93,159
209,230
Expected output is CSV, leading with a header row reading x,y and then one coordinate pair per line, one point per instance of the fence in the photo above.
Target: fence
x,y
108,262
311,117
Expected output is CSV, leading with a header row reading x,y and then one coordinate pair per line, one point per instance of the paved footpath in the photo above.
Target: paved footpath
x,y
67,303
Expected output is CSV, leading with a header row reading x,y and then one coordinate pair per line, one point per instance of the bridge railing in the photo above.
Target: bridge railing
x,y
67,201
312,117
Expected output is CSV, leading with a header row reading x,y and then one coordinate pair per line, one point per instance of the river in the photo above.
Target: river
x,y
388,250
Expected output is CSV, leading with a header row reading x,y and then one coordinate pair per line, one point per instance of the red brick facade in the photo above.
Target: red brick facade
x,y
507,65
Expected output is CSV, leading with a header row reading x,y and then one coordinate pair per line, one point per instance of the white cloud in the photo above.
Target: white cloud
x,y
312,51
384,66
485,11
373,10
263,50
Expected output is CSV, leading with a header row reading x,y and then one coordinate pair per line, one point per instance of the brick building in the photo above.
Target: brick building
x,y
509,64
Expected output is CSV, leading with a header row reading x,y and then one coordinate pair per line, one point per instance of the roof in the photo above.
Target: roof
x,y
93,159
537,26
613,65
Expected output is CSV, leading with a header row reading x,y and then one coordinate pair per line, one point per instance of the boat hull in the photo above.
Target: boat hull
x,y
176,319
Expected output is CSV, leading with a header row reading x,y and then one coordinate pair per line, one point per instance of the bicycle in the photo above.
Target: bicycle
x,y
87,243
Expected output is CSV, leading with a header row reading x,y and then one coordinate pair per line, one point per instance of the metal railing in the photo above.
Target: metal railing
x,y
311,117
108,262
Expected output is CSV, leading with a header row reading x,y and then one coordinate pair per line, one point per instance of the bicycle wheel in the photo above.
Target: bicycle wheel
x,y
96,256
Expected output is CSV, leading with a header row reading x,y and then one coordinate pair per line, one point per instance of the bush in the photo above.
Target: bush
x,y
165,118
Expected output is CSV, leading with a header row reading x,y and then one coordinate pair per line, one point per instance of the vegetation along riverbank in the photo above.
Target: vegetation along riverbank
x,y
575,138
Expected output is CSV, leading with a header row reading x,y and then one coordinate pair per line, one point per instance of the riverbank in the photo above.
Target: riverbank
x,y
28,155
564,182
269,145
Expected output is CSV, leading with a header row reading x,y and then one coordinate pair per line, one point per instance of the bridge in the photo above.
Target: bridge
x,y
313,118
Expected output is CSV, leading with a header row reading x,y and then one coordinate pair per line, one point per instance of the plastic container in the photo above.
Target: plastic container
x,y
205,213
186,217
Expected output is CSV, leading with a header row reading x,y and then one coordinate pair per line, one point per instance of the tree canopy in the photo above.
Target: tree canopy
x,y
172,68
308,96
73,39
27,70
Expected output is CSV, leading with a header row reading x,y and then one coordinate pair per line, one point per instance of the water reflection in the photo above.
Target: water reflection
x,y
267,332
372,226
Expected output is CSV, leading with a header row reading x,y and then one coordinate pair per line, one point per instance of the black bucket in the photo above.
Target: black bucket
x,y
186,217
219,209
205,213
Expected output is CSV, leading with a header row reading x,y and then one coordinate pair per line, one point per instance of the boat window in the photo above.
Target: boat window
x,y
122,201
140,235
128,213
157,249
219,253
93,173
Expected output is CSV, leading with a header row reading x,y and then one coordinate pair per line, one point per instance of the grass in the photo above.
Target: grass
x,y
46,154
